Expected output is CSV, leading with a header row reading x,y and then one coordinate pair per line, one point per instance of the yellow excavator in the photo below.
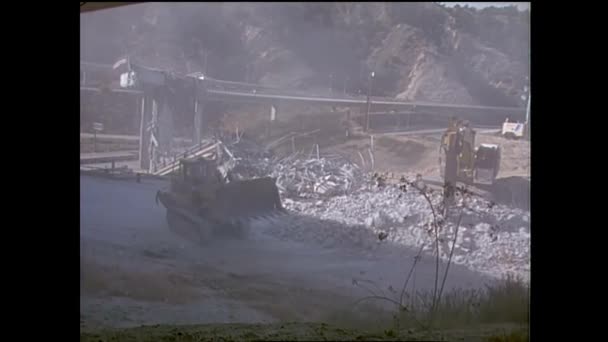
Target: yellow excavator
x,y
461,161
202,202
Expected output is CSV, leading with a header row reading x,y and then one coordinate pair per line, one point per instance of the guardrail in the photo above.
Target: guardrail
x,y
202,149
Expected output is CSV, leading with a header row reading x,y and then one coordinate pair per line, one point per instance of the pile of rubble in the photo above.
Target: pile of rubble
x,y
344,207
299,177
315,178
494,240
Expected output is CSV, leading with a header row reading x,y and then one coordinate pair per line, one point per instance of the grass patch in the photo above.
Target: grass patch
x,y
503,302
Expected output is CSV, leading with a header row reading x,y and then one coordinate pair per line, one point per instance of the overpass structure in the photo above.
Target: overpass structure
x,y
229,91
163,93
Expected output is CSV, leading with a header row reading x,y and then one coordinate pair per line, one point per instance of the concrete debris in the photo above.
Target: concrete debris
x,y
339,204
496,252
313,178
299,177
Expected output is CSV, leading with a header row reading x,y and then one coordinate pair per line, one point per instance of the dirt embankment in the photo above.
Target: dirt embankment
x,y
135,271
300,332
419,51
417,153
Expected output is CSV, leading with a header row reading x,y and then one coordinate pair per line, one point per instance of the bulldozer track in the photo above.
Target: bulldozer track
x,y
206,224
202,230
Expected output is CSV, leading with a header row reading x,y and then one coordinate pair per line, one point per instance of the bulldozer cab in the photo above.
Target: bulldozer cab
x,y
199,171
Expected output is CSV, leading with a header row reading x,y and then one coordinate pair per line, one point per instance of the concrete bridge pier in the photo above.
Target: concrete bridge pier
x,y
155,129
145,112
200,100
152,135
163,131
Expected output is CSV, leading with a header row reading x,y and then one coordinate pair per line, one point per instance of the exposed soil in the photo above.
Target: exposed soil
x,y
135,271
293,332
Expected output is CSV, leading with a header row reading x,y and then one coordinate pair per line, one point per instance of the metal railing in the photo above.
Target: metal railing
x,y
204,148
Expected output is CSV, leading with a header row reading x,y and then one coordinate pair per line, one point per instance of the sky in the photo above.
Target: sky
x,y
520,5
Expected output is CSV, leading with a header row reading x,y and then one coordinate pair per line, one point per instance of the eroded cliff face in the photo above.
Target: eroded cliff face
x,y
418,51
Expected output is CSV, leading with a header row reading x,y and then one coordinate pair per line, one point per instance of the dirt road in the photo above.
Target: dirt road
x,y
135,271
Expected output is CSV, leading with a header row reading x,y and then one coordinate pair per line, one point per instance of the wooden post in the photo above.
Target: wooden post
x,y
198,121
527,123
95,140
273,117
369,106
347,125
369,101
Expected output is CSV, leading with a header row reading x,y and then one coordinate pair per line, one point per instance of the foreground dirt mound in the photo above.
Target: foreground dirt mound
x,y
99,279
290,332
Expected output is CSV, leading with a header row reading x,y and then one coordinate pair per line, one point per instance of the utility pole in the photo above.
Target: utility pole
x,y
528,109
369,102
249,69
345,80
527,124
205,63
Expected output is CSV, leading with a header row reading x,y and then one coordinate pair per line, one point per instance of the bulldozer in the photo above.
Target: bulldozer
x,y
202,202
461,161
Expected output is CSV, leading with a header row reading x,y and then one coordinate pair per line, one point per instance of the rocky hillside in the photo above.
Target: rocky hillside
x,y
418,51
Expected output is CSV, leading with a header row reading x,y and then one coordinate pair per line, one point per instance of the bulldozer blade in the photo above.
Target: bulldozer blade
x,y
248,199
